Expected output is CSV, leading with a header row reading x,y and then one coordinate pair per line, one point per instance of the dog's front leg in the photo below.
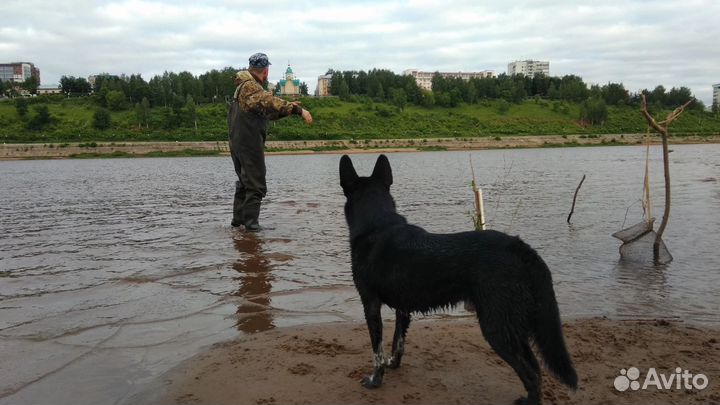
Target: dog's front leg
x,y
402,321
375,327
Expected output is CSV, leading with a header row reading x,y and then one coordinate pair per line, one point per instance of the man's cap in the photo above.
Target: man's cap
x,y
259,60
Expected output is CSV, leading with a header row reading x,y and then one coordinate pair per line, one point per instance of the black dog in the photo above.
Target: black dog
x,y
411,270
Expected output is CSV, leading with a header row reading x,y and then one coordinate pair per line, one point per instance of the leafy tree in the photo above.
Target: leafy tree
x,y
398,98
158,94
145,103
375,89
470,93
40,119
137,88
677,97
178,102
594,111
115,100
697,105
442,99
503,107
572,88
614,94
427,98
540,85
71,85
102,119
21,106
303,89
168,118
142,113
337,77
191,111
657,96
343,90
31,84
455,97
218,84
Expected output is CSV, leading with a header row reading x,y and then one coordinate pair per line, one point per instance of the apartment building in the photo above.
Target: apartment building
x,y
18,72
424,79
528,68
716,94
323,86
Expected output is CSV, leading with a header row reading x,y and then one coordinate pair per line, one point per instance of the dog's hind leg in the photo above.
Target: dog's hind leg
x,y
375,327
515,356
402,322
513,347
529,357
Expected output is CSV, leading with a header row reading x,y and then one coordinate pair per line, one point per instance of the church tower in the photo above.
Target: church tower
x,y
290,86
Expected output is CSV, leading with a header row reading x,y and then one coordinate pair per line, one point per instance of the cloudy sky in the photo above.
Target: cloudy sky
x,y
639,43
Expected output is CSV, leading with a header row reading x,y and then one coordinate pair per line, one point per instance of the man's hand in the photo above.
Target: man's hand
x,y
306,116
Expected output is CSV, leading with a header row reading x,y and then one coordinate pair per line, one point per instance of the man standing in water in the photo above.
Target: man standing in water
x,y
251,109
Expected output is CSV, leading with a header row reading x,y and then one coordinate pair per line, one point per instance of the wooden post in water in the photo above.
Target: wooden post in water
x,y
662,129
479,218
572,209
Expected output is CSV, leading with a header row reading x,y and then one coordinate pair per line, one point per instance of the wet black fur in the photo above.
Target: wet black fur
x,y
411,270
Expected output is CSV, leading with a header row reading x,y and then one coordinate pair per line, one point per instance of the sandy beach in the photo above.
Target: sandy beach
x,y
446,361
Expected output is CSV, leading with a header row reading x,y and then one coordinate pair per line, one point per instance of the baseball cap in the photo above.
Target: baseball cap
x,y
259,60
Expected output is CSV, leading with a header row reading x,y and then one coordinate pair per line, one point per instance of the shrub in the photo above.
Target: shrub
x,y
102,119
594,110
40,119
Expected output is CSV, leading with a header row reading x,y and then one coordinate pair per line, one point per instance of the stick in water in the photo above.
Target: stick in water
x,y
574,199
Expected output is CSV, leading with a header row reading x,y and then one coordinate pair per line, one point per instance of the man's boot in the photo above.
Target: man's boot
x,y
238,202
251,213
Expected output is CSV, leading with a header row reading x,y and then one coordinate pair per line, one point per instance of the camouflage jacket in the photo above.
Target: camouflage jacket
x,y
253,98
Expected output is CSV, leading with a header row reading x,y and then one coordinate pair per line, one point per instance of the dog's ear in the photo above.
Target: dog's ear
x,y
348,175
383,171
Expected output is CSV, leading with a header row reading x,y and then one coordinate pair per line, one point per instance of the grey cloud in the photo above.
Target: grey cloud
x,y
639,43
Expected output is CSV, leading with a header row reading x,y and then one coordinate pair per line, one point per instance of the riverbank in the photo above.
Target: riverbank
x,y
159,149
446,361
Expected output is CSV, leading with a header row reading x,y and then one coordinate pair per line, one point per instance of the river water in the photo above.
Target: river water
x,y
112,271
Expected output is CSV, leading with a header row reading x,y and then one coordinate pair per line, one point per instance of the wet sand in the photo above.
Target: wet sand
x,y
446,361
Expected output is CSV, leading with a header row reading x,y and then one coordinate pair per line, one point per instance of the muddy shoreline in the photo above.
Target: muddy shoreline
x,y
139,149
446,361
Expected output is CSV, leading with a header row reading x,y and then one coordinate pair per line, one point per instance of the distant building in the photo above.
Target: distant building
x,y
528,68
49,90
290,86
424,79
323,86
18,72
716,94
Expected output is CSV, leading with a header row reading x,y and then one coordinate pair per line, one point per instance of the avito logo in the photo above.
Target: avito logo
x,y
680,379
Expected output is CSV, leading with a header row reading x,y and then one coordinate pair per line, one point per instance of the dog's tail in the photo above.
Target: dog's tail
x,y
547,327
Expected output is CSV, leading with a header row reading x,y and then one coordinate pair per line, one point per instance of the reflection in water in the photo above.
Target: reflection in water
x,y
642,287
254,312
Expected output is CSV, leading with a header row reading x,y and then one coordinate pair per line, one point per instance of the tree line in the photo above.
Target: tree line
x,y
173,97
385,86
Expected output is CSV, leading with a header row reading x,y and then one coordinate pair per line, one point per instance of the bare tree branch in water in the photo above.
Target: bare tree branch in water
x,y
662,129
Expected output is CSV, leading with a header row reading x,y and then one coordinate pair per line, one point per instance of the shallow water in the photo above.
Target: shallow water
x,y
114,271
